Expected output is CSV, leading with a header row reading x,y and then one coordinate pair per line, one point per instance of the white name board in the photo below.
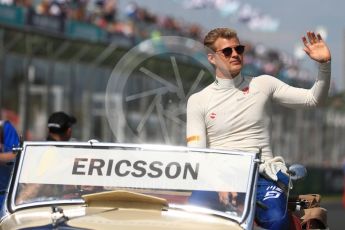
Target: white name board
x,y
136,168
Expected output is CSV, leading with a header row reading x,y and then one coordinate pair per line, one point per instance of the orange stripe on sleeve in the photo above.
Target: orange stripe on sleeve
x,y
193,138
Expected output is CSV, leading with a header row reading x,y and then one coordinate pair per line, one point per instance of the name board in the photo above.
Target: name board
x,y
159,169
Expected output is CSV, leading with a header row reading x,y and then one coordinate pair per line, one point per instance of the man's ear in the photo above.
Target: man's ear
x,y
211,58
69,131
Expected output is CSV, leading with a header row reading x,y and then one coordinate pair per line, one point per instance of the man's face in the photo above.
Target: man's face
x,y
228,62
68,134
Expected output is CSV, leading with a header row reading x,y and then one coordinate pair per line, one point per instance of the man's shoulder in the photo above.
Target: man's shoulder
x,y
265,83
261,79
200,99
205,91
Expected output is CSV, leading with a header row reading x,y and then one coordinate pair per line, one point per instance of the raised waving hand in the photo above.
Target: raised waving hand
x,y
316,48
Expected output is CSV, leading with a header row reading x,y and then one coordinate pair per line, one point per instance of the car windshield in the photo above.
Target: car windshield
x,y
215,181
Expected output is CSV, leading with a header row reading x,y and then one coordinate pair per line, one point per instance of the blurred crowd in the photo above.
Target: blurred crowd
x,y
138,23
106,15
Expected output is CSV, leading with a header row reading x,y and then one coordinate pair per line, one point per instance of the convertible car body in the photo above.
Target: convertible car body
x,y
91,185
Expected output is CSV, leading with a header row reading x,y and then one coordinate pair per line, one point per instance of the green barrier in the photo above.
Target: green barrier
x,y
324,181
12,15
75,29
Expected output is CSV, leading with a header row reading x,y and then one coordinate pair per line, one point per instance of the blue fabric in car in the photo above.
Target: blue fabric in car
x,y
9,139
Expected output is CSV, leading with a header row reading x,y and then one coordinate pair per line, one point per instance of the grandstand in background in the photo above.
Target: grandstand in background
x,y
63,62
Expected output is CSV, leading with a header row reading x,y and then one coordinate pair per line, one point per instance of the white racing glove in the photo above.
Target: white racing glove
x,y
271,167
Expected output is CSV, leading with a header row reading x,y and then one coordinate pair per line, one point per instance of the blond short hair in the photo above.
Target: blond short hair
x,y
214,34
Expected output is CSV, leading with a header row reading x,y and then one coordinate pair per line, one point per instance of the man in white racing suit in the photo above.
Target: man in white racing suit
x,y
234,112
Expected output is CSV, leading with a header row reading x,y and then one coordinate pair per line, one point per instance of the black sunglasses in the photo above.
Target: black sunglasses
x,y
228,50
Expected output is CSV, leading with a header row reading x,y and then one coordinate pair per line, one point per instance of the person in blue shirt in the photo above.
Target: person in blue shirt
x,y
9,138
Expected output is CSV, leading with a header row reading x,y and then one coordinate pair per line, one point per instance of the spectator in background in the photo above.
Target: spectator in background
x,y
43,8
8,139
60,126
109,10
59,129
131,11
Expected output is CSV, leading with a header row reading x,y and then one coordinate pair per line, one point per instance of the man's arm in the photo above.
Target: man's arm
x,y
197,136
318,50
294,97
196,127
7,157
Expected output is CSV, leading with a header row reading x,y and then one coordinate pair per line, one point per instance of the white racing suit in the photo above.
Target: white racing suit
x,y
235,114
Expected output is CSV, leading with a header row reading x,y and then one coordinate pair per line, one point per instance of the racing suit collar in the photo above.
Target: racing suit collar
x,y
229,83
